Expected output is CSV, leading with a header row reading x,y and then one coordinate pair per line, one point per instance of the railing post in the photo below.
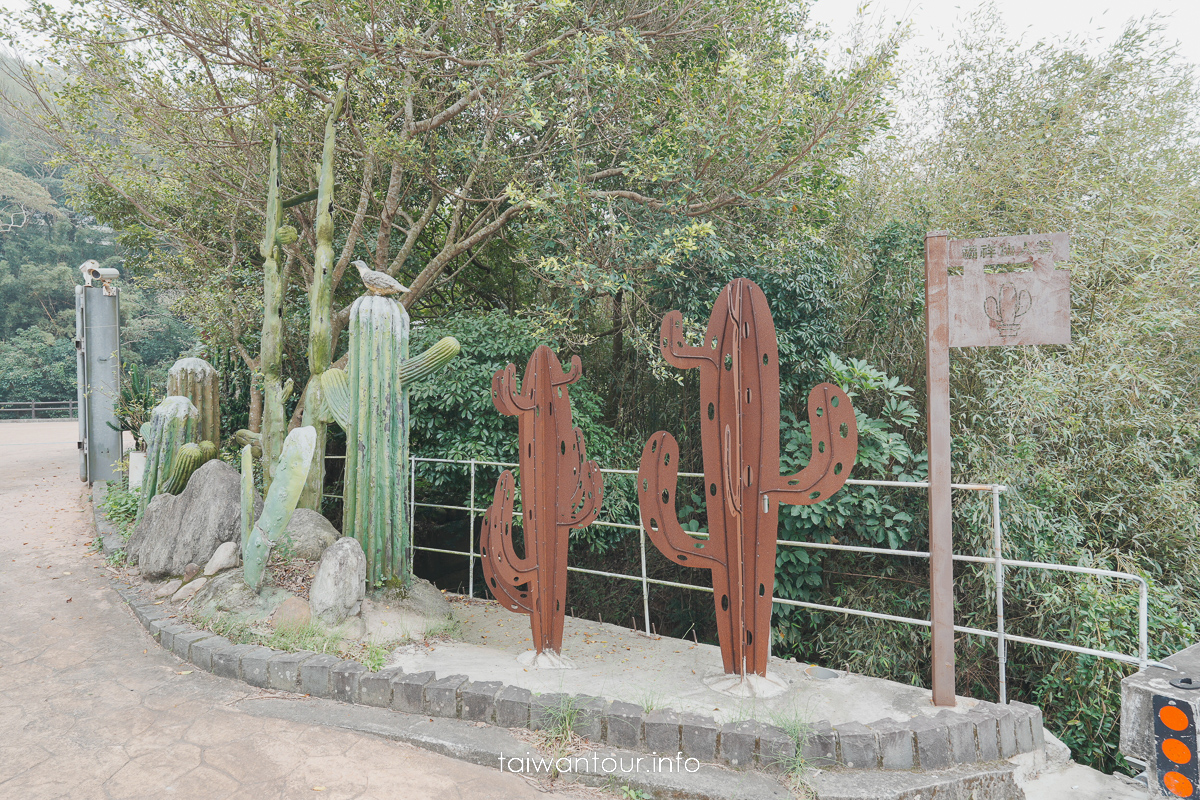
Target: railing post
x,y
412,513
997,545
645,581
471,538
1143,623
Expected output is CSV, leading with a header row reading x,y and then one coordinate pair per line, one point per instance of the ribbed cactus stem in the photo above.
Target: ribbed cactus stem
x,y
173,423
283,494
335,397
429,362
197,380
270,353
209,451
320,307
247,494
376,485
188,459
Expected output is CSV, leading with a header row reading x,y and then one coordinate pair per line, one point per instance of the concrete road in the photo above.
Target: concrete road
x,y
91,707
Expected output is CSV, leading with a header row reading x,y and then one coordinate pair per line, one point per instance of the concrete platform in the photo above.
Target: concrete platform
x,y
656,672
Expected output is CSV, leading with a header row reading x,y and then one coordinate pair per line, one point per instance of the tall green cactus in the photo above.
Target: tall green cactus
x,y
270,352
320,309
173,423
371,403
283,493
560,490
188,458
197,380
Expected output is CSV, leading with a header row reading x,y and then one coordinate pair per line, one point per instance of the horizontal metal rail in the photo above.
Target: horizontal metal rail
x,y
1000,563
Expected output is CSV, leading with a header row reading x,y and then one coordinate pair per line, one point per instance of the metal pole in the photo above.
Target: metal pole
x,y
1001,647
1143,636
941,537
412,510
471,539
645,581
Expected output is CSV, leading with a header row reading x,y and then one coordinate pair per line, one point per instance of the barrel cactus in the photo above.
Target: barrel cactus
x,y
371,403
188,458
173,423
197,380
283,494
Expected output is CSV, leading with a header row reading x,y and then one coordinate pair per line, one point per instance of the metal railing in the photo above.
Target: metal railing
x,y
49,409
996,558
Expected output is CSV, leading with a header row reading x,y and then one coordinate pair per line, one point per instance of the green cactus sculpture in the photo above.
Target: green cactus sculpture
x,y
371,403
320,307
291,470
173,423
198,381
270,351
188,458
247,495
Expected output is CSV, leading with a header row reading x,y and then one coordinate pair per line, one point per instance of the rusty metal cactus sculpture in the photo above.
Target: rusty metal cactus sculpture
x,y
739,431
560,490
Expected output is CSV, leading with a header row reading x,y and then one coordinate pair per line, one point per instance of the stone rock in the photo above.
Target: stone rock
x,y
338,589
177,530
169,588
292,613
190,571
308,534
225,557
189,590
227,592
405,614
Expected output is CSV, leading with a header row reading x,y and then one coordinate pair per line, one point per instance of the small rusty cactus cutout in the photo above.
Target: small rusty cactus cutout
x,y
739,421
560,490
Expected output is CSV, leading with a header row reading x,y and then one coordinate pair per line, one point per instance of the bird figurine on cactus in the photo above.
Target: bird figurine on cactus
x,y
378,283
738,361
560,490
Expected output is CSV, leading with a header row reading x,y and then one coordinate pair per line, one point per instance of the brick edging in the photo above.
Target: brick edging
x,y
989,732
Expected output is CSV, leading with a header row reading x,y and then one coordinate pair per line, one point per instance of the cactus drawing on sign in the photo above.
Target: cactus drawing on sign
x,y
560,490
739,431
188,458
195,379
371,403
291,470
173,423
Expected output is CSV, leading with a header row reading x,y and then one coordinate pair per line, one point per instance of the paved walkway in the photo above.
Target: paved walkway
x,y
91,707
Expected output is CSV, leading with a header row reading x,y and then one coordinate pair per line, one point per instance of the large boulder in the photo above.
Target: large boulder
x,y
183,529
308,534
338,589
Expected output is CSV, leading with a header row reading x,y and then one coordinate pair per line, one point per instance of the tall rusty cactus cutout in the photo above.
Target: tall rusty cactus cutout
x,y
560,490
739,421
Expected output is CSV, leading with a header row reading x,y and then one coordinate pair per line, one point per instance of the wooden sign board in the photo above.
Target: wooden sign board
x,y
989,309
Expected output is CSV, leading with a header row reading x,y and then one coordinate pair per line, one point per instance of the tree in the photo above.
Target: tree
x,y
1097,440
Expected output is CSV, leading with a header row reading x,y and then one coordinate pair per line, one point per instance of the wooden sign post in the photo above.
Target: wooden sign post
x,y
977,309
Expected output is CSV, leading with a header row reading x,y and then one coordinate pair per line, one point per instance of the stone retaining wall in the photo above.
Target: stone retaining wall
x,y
989,732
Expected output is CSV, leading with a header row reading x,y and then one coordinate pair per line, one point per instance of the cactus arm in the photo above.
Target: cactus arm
x,y
432,360
335,392
507,399
511,569
678,354
295,459
829,413
590,494
247,494
658,475
187,460
561,377
508,595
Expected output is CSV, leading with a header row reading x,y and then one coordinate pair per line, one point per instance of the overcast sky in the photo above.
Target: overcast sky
x,y
1037,19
